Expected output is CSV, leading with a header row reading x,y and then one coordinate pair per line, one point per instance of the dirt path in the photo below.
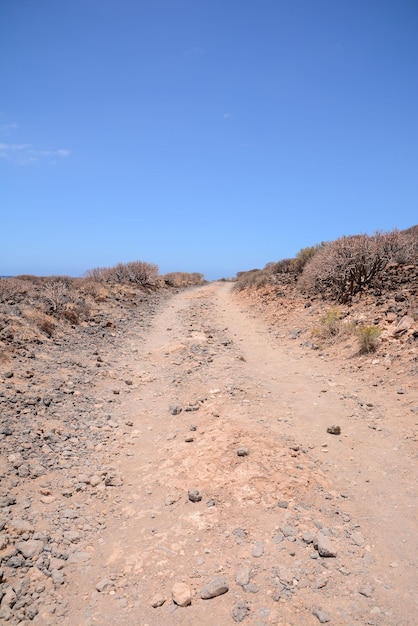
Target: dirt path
x,y
251,439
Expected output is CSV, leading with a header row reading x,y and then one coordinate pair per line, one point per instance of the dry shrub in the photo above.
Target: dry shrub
x,y
330,325
285,266
14,288
97,274
347,265
56,293
368,337
183,279
46,324
96,290
137,272
252,279
71,316
304,256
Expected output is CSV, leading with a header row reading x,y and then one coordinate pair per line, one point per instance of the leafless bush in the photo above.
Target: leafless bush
x,y
253,278
97,274
142,273
347,265
56,293
183,279
96,290
137,272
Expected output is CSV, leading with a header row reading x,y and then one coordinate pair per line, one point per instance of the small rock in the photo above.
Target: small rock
x,y
321,615
113,480
57,577
324,546
243,451
30,548
9,599
175,409
194,495
242,576
216,587
181,594
258,549
157,600
307,536
366,591
104,584
334,430
240,610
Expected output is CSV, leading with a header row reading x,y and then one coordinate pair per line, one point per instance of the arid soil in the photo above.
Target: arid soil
x,y
182,451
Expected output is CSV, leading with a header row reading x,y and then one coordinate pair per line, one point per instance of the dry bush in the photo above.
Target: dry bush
x,y
285,266
142,273
96,290
253,279
347,265
46,324
137,272
183,279
34,318
14,288
97,274
56,294
329,325
368,337
304,256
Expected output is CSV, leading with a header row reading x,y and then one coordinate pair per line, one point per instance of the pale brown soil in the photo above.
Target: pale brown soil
x,y
277,398
243,382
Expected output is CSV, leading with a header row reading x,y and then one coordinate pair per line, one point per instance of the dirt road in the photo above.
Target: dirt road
x,y
220,406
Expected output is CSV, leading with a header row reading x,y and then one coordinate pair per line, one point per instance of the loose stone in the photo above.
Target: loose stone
x,y
324,546
240,610
157,600
216,587
334,430
242,576
181,594
194,495
104,584
321,615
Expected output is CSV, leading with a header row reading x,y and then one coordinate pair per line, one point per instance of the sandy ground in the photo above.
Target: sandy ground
x,y
251,438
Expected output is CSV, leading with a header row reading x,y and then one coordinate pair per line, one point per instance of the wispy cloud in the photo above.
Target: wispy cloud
x,y
25,153
226,115
6,128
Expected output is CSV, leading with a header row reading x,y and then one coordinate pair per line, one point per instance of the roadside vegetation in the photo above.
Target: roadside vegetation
x,y
33,308
341,275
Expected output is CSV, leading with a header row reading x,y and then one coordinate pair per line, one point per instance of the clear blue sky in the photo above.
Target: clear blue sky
x,y
206,136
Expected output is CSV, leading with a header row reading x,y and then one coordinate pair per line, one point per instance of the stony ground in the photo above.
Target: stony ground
x,y
190,464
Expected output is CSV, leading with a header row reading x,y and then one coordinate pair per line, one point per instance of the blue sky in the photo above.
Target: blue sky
x,y
206,136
